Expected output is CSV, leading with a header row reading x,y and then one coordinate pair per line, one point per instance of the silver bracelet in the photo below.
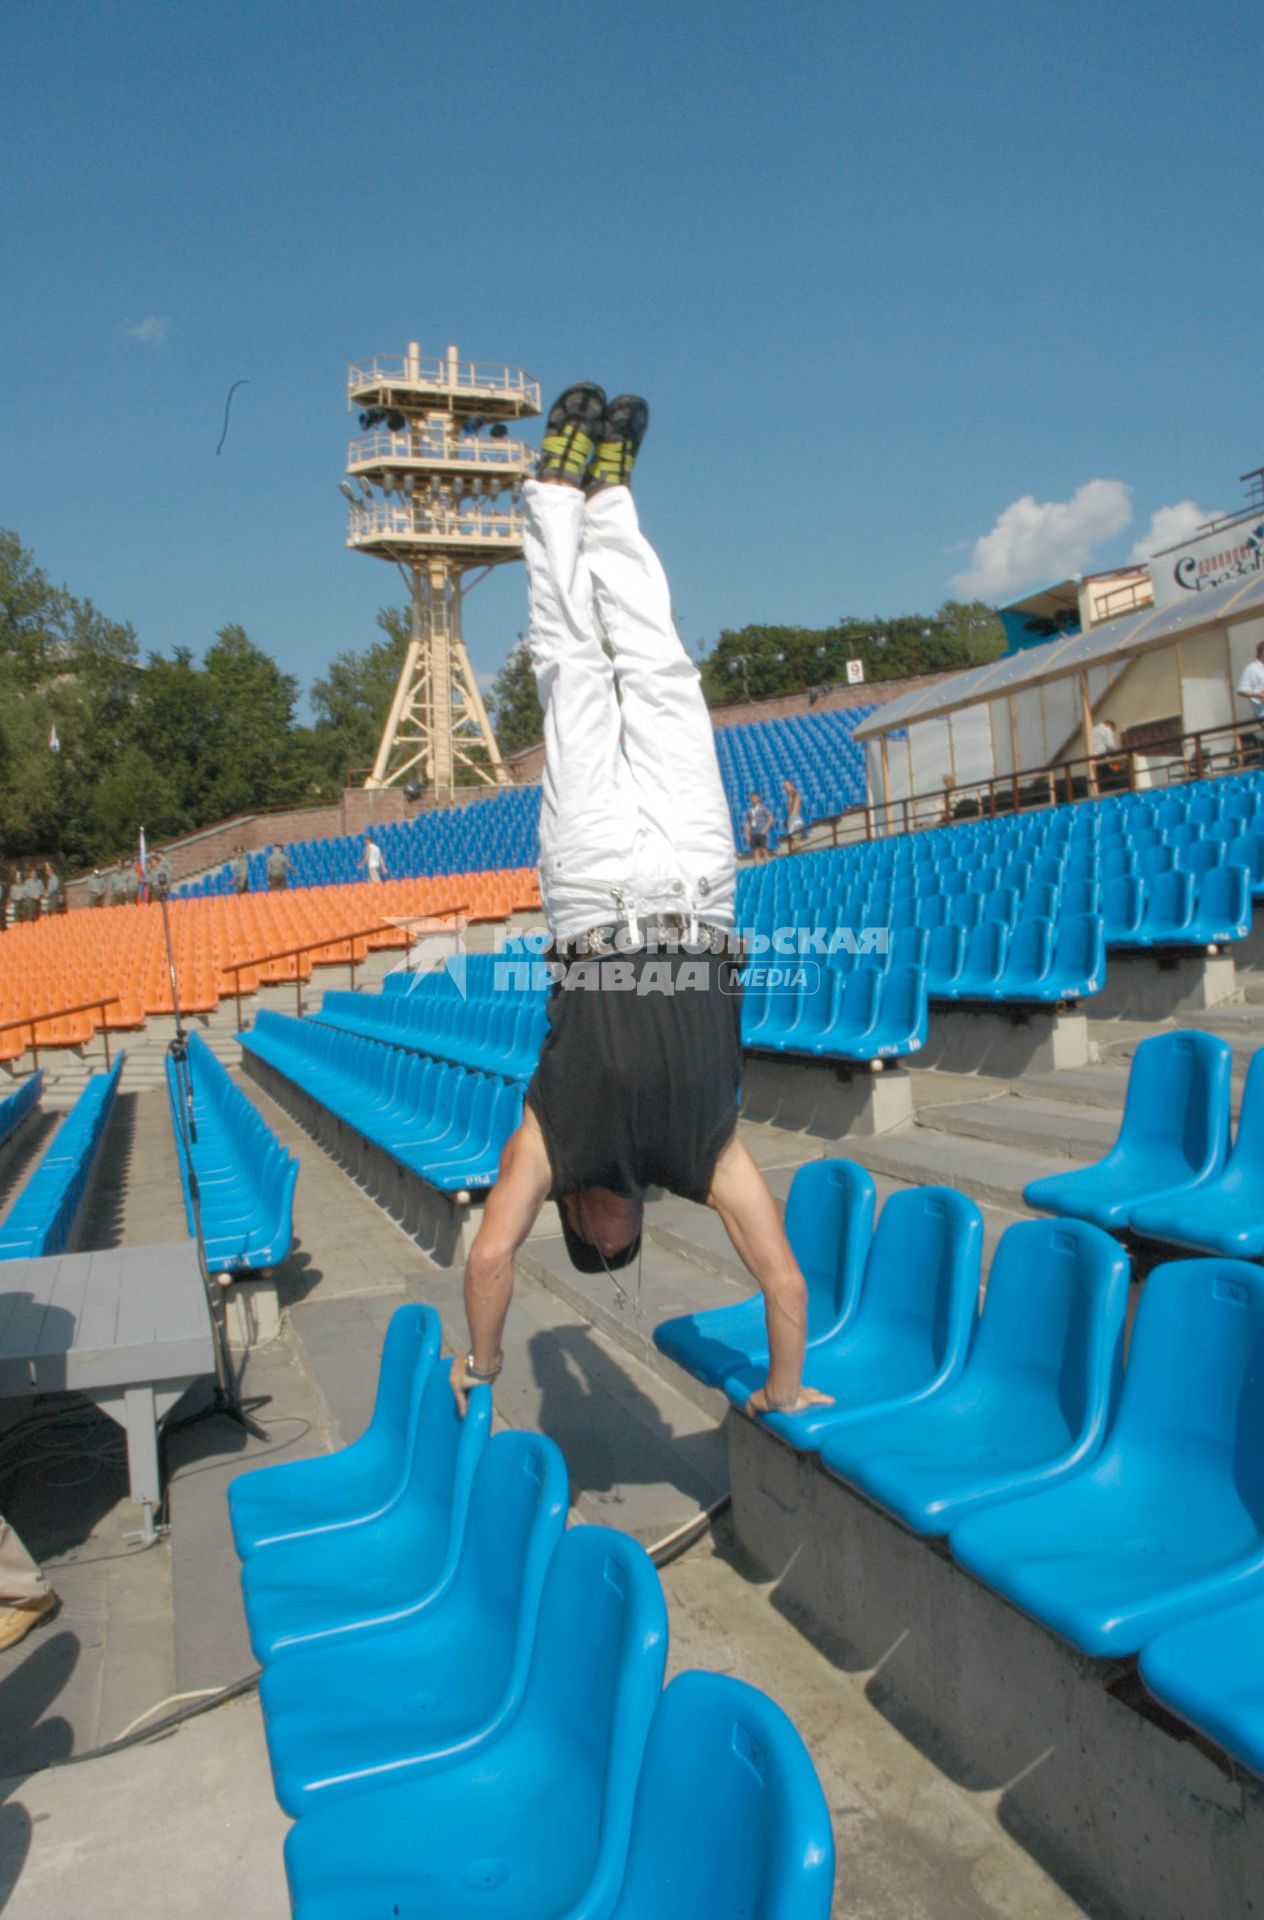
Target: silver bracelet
x,y
475,1372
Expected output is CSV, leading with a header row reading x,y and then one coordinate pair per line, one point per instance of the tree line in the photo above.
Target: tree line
x,y
96,737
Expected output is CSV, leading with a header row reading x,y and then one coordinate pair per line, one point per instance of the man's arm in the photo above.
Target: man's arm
x,y
511,1210
739,1194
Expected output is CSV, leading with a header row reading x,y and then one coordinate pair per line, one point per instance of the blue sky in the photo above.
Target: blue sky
x,y
919,293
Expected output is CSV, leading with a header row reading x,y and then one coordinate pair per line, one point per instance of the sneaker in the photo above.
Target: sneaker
x,y
626,420
570,435
17,1617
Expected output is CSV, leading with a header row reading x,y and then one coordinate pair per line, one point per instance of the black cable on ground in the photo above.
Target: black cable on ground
x,y
167,1724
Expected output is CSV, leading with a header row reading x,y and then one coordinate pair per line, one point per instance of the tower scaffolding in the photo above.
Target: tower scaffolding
x,y
425,487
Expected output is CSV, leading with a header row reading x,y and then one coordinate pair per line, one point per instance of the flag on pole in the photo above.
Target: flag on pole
x,y
144,870
54,744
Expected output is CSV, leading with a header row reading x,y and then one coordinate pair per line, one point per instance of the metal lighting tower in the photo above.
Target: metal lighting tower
x,y
424,487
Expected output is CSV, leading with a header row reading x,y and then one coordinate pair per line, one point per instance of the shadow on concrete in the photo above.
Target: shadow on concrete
x,y
19,1154
610,1431
28,1739
101,1222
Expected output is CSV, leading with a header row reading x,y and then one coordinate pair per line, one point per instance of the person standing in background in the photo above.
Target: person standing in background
x,y
160,878
795,829
280,869
96,888
372,859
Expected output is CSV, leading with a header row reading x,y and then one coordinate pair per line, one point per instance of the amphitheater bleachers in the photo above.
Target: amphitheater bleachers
x,y
549,1761
1023,910
480,1018
245,1179
443,1123
42,1218
119,957
501,833
815,750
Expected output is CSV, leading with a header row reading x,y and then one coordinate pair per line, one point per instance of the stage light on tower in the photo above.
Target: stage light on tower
x,y
444,482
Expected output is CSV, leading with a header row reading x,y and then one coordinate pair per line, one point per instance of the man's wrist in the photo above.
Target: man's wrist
x,y
484,1375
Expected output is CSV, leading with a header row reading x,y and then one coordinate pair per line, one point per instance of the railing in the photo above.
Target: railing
x,y
60,1013
461,522
429,446
1181,757
407,923
430,371
1121,600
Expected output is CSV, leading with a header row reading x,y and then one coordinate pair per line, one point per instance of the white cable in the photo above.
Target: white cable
x,y
172,1700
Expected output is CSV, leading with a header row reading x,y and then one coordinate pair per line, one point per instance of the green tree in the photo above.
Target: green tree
x,y
134,792
513,703
353,698
250,705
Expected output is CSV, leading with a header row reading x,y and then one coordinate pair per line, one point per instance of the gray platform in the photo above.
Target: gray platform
x,y
129,1327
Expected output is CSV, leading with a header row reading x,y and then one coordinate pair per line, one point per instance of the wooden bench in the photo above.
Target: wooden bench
x,y
128,1327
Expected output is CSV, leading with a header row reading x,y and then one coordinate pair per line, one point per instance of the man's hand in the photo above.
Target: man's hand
x,y
462,1383
761,1401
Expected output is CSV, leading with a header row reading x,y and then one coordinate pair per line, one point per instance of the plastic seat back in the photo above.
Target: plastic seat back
x,y
829,1224
730,1817
1194,1384
921,1285
1052,1324
596,1677
1176,1108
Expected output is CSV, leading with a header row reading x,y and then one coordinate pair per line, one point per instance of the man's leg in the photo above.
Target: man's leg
x,y
587,809
668,739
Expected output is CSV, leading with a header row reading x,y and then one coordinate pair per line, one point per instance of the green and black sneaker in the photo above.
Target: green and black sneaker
x,y
619,442
571,431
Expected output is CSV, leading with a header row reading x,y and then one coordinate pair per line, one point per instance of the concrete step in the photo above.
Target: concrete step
x,y
992,1175
1102,1086
1055,1128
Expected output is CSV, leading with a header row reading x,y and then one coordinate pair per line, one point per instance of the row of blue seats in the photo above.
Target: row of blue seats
x,y
43,1217
243,1176
15,1106
1170,1176
464,1701
497,833
443,1123
1122,1507
503,1038
865,1013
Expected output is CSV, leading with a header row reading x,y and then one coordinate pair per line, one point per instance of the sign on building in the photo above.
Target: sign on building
x,y
1233,550
855,673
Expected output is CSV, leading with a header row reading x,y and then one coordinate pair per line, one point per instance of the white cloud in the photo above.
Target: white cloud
x,y
1036,541
152,331
1169,526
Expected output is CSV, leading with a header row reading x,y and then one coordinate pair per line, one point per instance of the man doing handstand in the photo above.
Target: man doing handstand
x,y
639,1077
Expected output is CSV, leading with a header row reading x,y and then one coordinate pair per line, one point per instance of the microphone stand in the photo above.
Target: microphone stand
x,y
227,1398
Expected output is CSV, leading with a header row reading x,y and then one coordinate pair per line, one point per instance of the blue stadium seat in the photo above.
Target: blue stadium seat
x,y
306,1496
1168,1521
42,1219
536,1824
368,1572
1173,1136
1210,1671
1225,1214
730,1818
829,1223
1033,1400
360,1710
15,1106
910,1331
245,1178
